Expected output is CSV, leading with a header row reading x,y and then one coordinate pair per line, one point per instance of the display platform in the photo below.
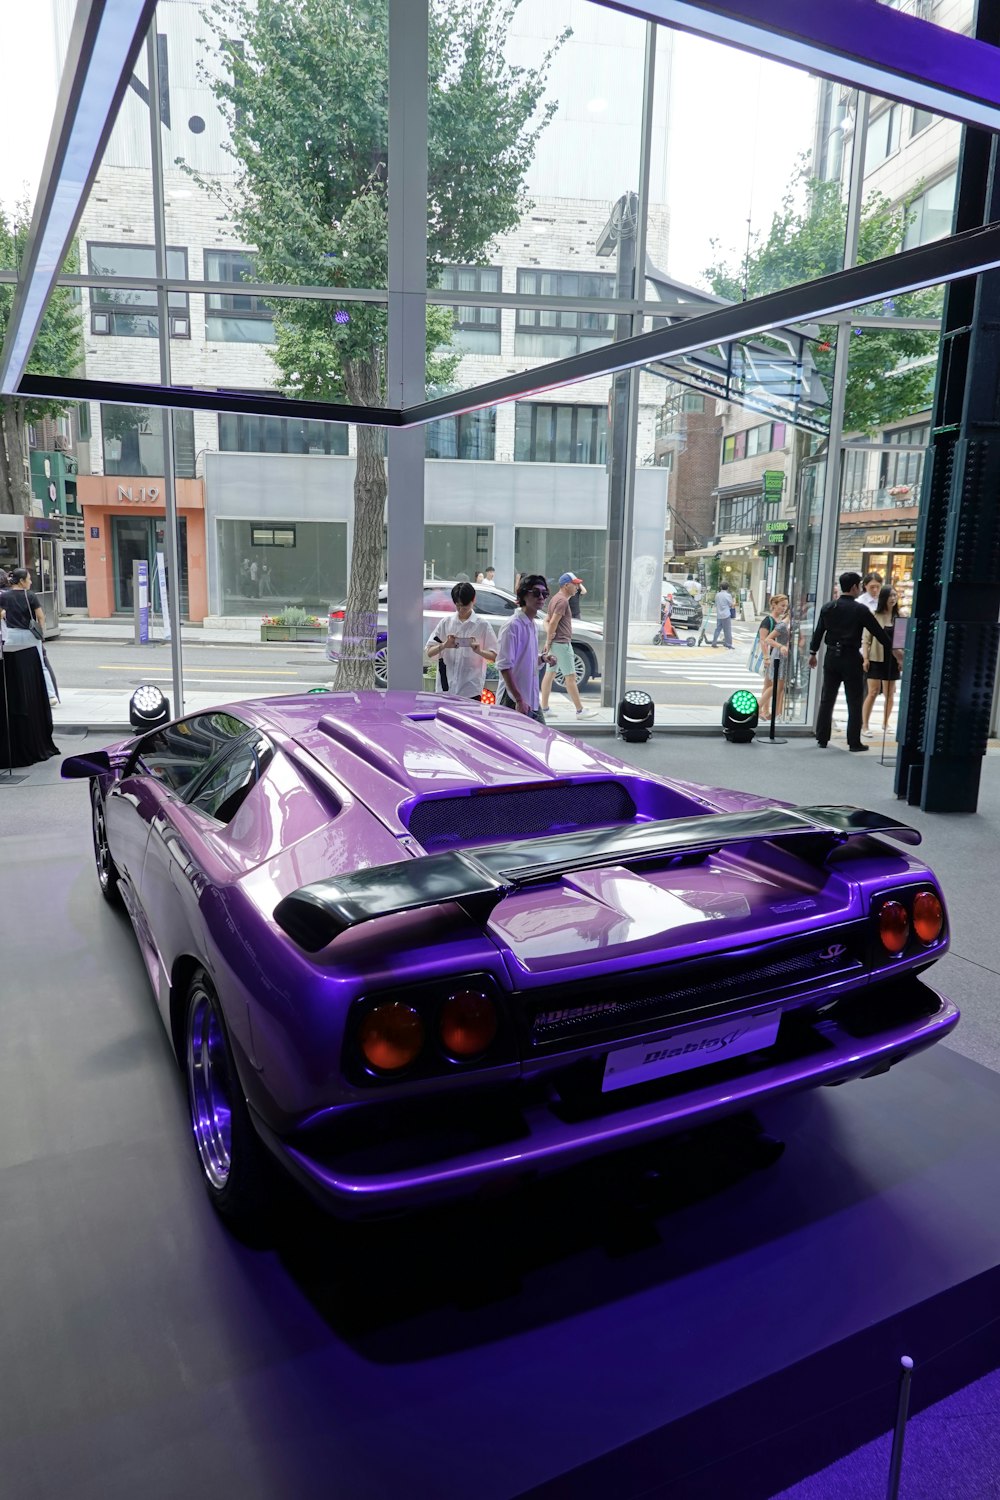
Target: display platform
x,y
668,1323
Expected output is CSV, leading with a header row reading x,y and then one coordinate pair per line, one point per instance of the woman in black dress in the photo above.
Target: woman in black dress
x,y
882,667
25,711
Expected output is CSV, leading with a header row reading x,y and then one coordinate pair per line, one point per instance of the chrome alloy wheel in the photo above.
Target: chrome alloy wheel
x,y
210,1086
102,853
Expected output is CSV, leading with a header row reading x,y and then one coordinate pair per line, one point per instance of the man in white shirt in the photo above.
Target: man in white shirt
x,y
871,587
518,657
462,644
723,619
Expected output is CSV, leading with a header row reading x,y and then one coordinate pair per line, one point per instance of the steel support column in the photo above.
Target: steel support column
x,y
407,357
171,530
624,406
951,660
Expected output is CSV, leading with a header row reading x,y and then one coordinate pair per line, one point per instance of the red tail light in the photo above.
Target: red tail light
x,y
337,614
928,916
468,1023
893,926
391,1036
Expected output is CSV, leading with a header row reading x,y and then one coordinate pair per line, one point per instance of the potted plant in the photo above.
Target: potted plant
x,y
292,624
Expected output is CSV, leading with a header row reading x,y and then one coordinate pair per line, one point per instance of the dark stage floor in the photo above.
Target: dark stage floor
x,y
480,1352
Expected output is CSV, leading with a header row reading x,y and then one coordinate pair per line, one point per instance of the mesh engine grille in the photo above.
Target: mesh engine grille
x,y
522,812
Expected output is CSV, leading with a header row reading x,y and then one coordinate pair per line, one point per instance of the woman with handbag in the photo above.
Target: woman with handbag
x,y
26,727
26,612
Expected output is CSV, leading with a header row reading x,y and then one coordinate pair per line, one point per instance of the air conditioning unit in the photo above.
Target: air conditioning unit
x,y
61,443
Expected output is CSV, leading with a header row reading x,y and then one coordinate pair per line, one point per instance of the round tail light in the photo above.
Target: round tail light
x,y
928,917
893,926
391,1036
468,1023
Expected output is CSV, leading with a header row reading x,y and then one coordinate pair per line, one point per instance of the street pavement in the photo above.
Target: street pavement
x,y
99,666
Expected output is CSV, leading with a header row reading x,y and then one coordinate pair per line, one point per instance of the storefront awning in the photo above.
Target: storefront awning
x,y
731,543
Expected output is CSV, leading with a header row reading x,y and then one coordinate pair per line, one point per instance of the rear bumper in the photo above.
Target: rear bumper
x,y
421,1156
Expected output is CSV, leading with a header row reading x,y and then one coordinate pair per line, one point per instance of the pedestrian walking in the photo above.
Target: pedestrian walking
x,y
462,644
723,618
882,667
518,655
871,584
843,622
559,643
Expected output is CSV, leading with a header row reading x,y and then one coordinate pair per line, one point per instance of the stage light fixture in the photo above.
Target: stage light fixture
x,y
488,696
636,713
148,708
740,714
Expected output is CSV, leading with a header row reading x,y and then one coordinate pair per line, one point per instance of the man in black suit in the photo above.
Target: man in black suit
x,y
842,622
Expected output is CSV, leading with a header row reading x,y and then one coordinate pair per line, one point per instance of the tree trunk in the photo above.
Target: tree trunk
x,y
356,668
15,494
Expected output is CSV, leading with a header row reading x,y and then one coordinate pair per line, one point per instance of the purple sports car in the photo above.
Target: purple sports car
x,y
410,946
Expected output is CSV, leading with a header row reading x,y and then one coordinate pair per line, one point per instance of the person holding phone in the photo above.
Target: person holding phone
x,y
462,644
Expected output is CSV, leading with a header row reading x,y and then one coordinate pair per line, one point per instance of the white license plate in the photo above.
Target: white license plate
x,y
689,1049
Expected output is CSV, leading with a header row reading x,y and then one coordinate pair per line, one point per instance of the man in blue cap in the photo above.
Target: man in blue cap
x,y
559,642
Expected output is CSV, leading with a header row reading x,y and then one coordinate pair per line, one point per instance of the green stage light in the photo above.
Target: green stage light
x,y
740,714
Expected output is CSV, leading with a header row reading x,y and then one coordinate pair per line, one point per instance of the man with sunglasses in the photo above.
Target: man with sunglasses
x,y
518,655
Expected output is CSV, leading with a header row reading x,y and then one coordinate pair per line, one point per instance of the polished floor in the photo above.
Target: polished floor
x,y
560,1341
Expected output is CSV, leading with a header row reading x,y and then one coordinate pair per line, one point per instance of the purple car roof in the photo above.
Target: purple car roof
x,y
389,747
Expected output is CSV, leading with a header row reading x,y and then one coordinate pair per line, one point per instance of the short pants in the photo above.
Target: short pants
x,y
563,653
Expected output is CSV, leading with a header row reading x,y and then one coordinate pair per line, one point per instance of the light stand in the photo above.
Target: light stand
x,y
774,668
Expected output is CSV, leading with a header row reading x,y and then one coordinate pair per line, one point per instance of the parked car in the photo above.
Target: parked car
x,y
686,612
409,947
496,604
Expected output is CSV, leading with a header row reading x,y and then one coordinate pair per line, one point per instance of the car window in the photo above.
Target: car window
x,y
222,790
488,603
177,754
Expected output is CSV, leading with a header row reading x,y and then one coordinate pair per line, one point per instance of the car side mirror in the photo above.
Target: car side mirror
x,y
93,763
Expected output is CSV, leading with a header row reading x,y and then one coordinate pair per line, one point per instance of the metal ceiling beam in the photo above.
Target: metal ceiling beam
x,y
928,265
103,46
861,43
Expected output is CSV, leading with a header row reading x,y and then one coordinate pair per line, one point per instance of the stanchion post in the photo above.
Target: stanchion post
x,y
774,668
902,1412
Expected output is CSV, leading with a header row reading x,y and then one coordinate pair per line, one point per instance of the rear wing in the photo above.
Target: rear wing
x,y
478,879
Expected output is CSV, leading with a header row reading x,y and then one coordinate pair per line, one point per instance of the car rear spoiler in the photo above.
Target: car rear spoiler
x,y
479,878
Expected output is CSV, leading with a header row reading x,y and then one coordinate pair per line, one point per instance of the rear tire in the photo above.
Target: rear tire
x,y
107,870
232,1158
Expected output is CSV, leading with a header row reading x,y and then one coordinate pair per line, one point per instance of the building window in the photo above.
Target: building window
x,y
83,421
904,469
929,216
764,438
129,312
231,317
475,329
692,401
739,515
549,333
546,434
919,120
471,435
132,438
240,432
32,435
883,136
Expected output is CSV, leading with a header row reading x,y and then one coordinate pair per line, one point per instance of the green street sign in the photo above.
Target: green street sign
x,y
774,484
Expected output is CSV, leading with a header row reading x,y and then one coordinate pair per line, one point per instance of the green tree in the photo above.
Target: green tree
x,y
888,375
57,351
305,99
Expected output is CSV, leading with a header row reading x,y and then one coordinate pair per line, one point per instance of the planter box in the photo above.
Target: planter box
x,y
293,632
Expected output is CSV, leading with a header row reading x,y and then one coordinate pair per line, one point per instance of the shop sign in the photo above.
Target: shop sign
x,y
777,531
878,539
145,494
774,484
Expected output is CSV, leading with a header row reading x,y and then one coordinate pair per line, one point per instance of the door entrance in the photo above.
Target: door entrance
x,y
138,539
